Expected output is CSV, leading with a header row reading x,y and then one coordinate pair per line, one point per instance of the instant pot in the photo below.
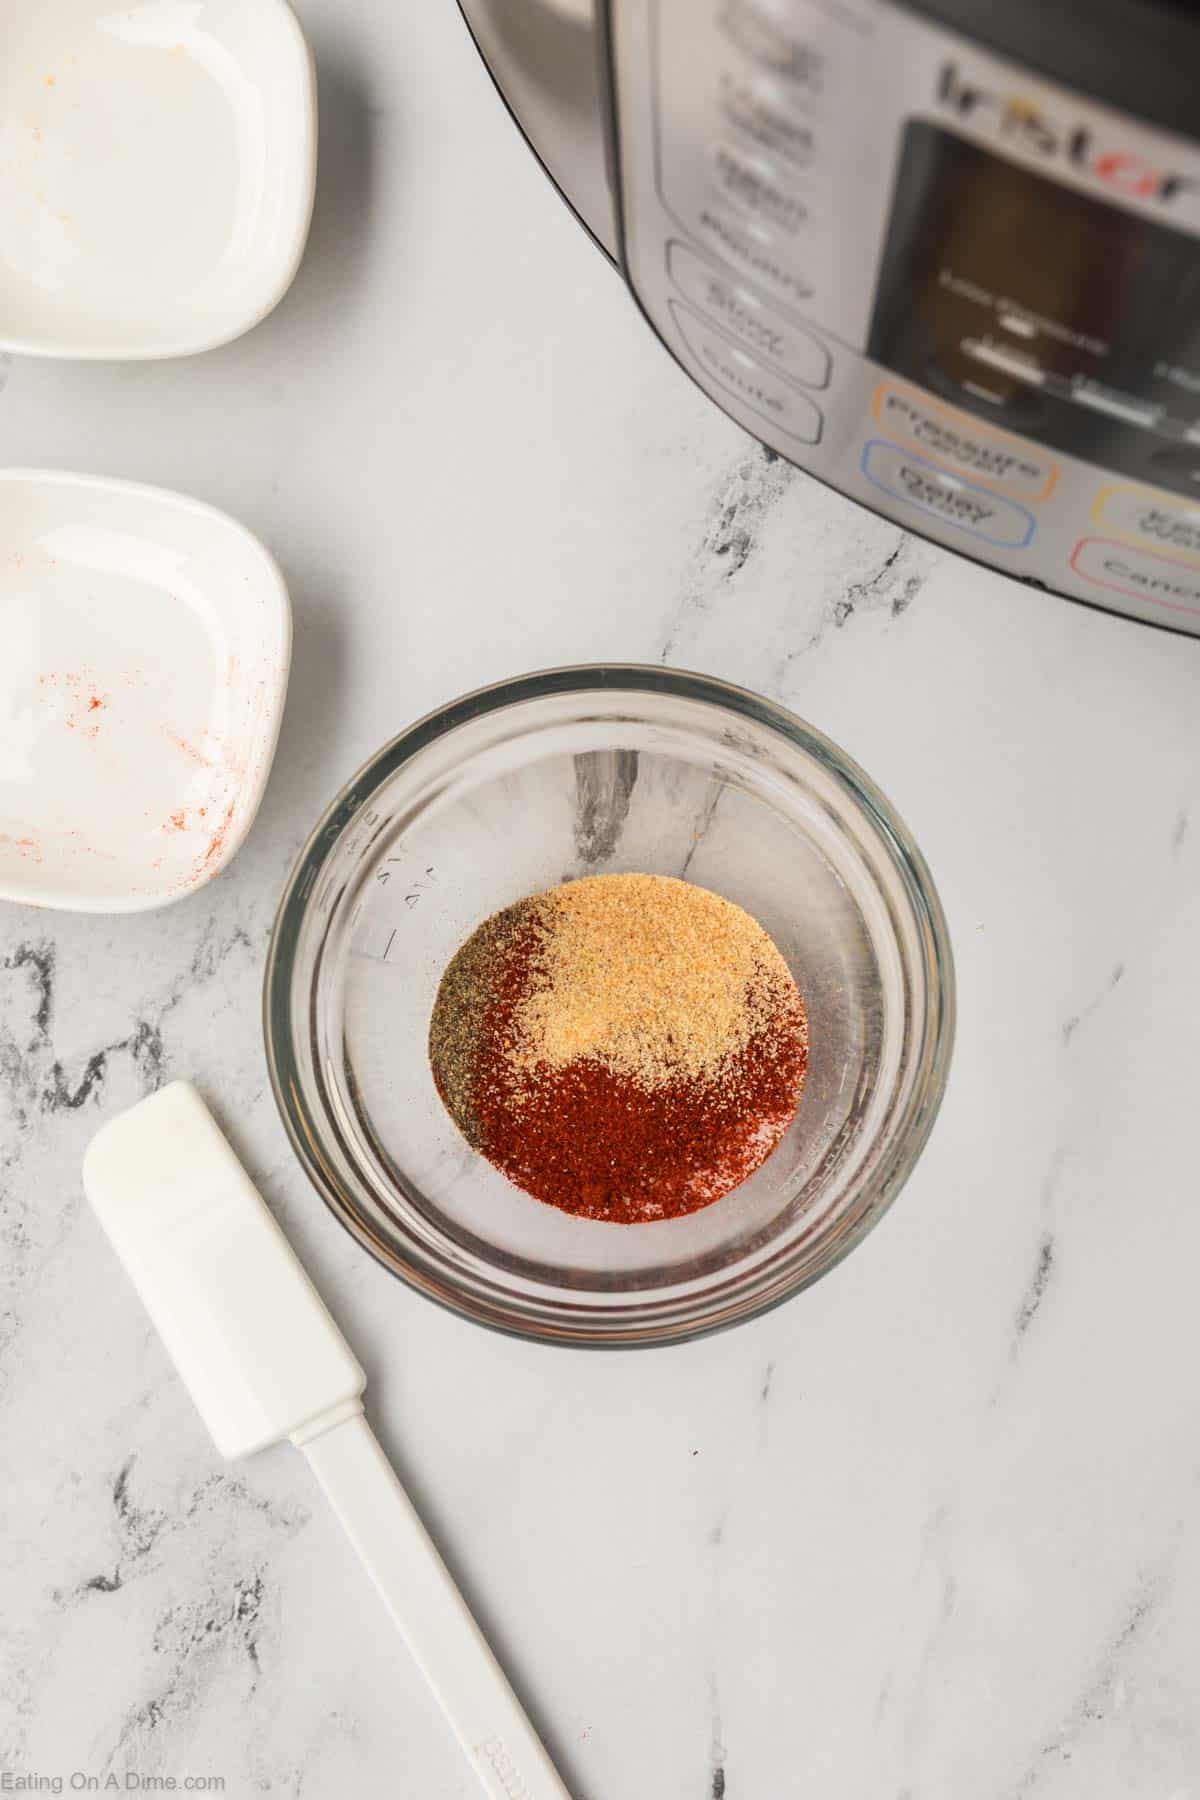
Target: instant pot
x,y
942,256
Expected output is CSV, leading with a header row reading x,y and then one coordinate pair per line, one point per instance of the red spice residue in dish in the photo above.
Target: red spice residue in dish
x,y
206,863
83,702
189,750
76,699
223,760
27,847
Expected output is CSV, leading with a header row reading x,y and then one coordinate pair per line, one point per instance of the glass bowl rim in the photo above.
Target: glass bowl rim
x,y
929,1085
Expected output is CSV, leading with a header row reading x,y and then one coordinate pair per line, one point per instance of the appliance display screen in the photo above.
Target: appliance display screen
x,y
1039,307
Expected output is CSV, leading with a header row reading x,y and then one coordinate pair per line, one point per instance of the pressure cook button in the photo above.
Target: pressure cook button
x,y
964,446
919,483
724,299
1153,518
1157,580
750,381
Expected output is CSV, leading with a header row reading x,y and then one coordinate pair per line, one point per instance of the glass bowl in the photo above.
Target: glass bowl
x,y
582,771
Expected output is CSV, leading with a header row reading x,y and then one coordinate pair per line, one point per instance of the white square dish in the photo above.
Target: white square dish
x,y
157,170
147,640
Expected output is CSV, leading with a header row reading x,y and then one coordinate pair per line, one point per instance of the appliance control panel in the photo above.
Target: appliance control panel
x,y
964,296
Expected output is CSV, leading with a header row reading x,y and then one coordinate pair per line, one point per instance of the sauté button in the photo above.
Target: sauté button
x,y
751,381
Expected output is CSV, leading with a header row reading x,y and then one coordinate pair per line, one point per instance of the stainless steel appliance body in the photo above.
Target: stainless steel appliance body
x,y
945,258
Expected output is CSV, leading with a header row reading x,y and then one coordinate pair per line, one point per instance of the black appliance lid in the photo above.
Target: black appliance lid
x,y
1141,57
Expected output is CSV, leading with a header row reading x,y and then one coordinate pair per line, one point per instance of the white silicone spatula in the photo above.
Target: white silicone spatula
x,y
264,1361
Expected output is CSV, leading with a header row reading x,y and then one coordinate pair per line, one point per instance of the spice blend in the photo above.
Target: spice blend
x,y
625,1047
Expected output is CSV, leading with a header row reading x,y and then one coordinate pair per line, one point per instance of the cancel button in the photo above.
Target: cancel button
x,y
1159,580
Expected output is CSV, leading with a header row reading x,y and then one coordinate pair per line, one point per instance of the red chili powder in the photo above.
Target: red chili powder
x,y
27,847
216,843
688,1077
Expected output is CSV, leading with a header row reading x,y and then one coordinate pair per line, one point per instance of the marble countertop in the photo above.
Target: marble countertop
x,y
931,1531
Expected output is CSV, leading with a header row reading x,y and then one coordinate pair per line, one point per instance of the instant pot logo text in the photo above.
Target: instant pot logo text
x,y
1028,127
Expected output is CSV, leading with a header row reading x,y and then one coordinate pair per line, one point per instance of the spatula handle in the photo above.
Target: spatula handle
x,y
431,1614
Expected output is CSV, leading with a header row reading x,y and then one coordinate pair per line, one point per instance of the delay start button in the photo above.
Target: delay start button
x,y
1007,463
740,310
1158,580
973,509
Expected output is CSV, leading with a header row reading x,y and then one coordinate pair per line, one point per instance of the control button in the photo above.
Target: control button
x,y
1115,405
977,510
1181,461
1158,580
1151,518
1017,364
750,109
749,27
742,313
753,250
963,445
742,375
751,183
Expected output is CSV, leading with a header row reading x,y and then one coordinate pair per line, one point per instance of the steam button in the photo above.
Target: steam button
x,y
757,253
728,302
